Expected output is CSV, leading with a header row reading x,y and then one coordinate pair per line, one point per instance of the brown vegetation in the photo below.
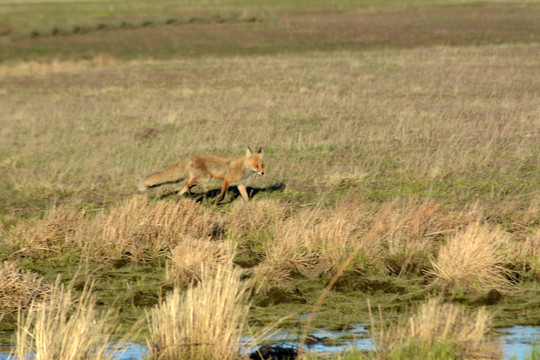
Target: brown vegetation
x,y
204,322
19,288
472,260
437,325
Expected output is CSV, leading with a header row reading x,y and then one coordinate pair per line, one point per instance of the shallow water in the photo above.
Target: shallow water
x,y
517,342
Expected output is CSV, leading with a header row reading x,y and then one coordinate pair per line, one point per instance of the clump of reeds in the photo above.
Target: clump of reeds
x,y
471,261
204,322
63,328
136,229
248,218
48,235
409,237
141,230
437,329
19,288
193,257
312,242
524,256
266,276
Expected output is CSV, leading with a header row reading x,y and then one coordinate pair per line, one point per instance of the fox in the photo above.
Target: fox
x,y
199,169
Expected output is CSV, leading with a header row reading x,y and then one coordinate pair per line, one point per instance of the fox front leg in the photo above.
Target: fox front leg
x,y
243,191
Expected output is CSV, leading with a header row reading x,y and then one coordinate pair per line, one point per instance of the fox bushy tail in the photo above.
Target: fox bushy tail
x,y
172,174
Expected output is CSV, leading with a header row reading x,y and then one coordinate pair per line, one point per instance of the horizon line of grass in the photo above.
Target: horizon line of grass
x,y
224,16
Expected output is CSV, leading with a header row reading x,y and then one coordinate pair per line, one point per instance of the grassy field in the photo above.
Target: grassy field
x,y
417,123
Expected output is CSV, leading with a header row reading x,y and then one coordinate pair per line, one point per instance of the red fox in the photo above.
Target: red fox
x,y
199,169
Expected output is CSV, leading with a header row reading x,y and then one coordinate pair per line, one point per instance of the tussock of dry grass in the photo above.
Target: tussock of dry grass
x,y
266,276
264,214
316,241
141,230
411,234
437,324
135,229
18,288
51,234
192,258
524,255
472,261
204,322
63,328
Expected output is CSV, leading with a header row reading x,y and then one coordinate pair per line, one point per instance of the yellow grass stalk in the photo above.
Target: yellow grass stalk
x,y
471,261
63,328
204,322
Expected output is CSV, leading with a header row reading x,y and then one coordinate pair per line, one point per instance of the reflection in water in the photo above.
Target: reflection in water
x,y
517,342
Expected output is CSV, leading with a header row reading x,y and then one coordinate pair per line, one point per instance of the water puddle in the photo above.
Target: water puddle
x,y
517,343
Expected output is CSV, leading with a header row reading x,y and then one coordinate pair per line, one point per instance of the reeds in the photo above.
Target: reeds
x,y
204,322
19,289
135,230
437,330
472,261
64,328
194,258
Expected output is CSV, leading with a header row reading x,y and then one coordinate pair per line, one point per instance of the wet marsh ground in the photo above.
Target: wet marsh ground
x,y
425,115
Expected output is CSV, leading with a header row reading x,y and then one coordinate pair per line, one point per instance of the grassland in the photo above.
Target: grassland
x,y
422,115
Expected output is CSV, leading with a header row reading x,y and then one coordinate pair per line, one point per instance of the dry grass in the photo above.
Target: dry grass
x,y
63,328
245,219
524,256
142,230
192,258
56,66
416,118
204,322
266,276
50,235
135,229
19,289
437,325
472,261
411,234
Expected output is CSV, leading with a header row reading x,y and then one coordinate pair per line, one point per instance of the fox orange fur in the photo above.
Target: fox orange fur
x,y
199,169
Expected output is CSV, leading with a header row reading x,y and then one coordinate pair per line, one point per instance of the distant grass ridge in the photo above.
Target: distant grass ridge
x,y
224,16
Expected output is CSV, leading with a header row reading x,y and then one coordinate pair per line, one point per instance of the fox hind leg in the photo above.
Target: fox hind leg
x,y
194,179
187,187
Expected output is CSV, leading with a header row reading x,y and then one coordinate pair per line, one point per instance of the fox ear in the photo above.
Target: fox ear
x,y
249,153
260,151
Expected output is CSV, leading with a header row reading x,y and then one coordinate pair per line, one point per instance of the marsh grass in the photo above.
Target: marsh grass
x,y
64,327
472,260
431,109
411,234
192,258
135,229
438,330
20,289
204,322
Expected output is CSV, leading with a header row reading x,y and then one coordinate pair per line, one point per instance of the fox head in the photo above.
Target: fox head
x,y
255,160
